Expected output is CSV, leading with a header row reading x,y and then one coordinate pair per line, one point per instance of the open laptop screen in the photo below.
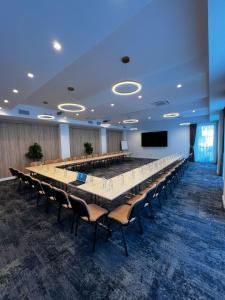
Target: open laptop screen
x,y
81,177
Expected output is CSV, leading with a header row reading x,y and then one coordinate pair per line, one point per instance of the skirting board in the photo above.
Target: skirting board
x,y
7,178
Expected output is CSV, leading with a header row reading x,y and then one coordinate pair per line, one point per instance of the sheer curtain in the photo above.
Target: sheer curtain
x,y
205,143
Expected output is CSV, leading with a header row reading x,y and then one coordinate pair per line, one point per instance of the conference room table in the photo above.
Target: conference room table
x,y
59,173
113,188
109,189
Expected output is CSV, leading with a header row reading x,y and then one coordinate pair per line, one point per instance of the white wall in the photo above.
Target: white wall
x,y
178,142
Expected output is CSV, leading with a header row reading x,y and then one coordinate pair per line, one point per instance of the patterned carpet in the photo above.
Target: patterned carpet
x,y
181,254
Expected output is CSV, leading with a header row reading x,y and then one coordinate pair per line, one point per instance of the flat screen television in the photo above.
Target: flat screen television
x,y
154,139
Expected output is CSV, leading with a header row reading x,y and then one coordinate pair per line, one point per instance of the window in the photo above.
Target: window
x,y
205,143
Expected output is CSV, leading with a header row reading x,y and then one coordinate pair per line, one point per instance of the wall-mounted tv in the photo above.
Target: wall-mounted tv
x,y
154,139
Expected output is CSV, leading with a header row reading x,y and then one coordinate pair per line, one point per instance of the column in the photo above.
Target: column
x,y
64,131
103,140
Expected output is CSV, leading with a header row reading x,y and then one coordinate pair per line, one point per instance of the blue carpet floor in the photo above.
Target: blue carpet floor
x,y
181,254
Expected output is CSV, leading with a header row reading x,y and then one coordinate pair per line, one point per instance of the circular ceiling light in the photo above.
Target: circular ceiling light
x,y
46,117
6,101
71,107
179,86
140,97
30,75
126,87
130,121
15,91
171,115
185,124
92,110
193,111
56,45
0,107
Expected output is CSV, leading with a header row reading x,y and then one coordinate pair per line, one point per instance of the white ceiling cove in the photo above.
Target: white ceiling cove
x,y
167,42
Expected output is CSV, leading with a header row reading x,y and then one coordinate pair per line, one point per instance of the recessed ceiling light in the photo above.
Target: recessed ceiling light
x,y
30,75
136,87
112,104
130,121
105,125
92,110
179,86
15,91
77,114
140,96
184,124
149,118
171,115
193,111
56,45
68,107
46,117
119,122
132,129
6,101
0,107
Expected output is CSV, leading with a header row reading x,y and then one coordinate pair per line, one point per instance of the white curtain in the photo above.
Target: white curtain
x,y
205,143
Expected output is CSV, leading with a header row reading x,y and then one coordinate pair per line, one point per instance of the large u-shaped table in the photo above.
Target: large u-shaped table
x,y
109,189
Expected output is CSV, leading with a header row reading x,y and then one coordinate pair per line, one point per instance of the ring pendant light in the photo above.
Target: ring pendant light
x,y
135,85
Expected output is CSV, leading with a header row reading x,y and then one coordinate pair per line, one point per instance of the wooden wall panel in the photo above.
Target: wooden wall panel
x,y
114,137
81,135
16,137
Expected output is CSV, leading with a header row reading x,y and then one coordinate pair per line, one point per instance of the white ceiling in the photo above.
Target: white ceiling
x,y
167,42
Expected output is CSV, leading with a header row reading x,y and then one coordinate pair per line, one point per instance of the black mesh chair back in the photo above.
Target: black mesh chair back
x,y
36,184
25,178
136,208
79,206
161,186
60,196
13,171
151,193
47,188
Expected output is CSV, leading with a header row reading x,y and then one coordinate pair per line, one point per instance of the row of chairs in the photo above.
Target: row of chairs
x,y
58,160
124,215
154,190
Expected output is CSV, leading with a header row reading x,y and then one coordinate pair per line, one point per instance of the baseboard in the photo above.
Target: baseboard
x,y
7,178
223,200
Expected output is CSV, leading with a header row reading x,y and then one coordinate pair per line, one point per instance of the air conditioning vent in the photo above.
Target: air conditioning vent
x,y
160,103
24,112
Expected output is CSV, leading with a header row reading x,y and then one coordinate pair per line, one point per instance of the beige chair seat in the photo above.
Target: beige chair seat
x,y
120,214
148,188
95,212
160,179
135,199
41,192
67,206
51,198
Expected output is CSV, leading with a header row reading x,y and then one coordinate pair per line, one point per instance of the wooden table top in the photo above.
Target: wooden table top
x,y
65,176
109,189
113,188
